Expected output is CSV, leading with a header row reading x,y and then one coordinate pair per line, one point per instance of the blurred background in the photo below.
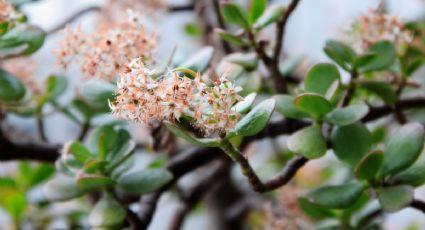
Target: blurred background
x,y
309,27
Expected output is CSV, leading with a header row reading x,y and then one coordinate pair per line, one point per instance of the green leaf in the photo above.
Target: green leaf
x,y
234,39
233,13
363,60
144,181
320,78
78,150
341,53
15,204
308,142
384,58
337,196
248,61
395,198
382,89
200,60
56,85
182,133
347,115
192,29
285,106
369,165
313,104
350,143
95,166
39,174
98,93
11,89
243,106
91,182
403,148
61,188
271,15
23,34
314,211
107,212
414,175
253,122
256,9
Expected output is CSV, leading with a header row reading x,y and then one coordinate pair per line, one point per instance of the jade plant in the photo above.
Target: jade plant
x,y
362,110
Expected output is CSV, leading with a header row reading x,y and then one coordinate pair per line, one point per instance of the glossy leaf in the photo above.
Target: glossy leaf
x,y
233,13
11,89
234,39
347,115
337,196
29,36
255,121
56,85
369,165
414,175
351,143
341,53
182,133
144,181
200,60
314,211
248,61
107,213
382,89
395,198
313,104
384,58
308,142
403,149
243,106
98,93
285,106
78,150
91,182
61,188
320,78
271,15
256,9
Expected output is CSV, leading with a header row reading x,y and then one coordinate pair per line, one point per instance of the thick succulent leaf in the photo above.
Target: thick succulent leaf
x,y
235,14
61,188
243,106
320,78
145,181
395,198
234,39
200,60
92,182
314,211
107,213
29,36
369,165
337,196
347,115
313,104
414,175
285,106
384,58
403,148
56,85
382,89
341,53
255,121
271,15
351,143
182,133
308,142
256,9
11,88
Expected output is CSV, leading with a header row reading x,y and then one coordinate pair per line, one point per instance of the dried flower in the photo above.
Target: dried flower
x,y
23,68
8,12
377,26
104,53
143,99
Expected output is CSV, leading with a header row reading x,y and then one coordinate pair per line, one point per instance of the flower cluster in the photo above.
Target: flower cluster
x,y
113,10
105,53
376,26
148,100
8,12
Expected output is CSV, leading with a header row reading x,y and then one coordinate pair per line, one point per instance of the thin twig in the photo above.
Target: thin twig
x,y
418,205
176,9
226,46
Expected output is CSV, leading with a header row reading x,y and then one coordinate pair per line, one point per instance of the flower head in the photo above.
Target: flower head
x,y
148,100
8,12
377,26
105,53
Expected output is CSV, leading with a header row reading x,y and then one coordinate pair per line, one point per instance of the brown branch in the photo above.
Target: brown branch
x,y
418,205
183,8
404,104
279,80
